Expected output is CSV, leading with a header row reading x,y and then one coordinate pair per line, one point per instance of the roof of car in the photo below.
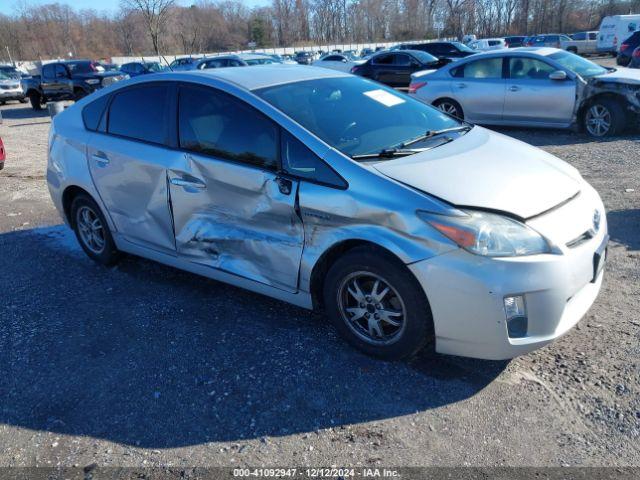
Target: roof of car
x,y
545,51
269,75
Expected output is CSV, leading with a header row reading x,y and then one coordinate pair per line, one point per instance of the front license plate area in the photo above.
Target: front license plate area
x,y
599,258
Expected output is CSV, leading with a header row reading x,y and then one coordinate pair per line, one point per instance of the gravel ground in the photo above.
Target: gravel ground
x,y
142,364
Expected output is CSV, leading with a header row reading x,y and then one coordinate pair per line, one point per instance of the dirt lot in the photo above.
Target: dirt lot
x,y
145,365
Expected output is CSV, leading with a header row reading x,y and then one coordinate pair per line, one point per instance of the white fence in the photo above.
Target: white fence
x,y
33,67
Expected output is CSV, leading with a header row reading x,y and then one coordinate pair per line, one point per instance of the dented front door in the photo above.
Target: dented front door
x,y
238,219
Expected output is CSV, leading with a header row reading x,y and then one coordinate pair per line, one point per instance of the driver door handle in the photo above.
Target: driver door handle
x,y
101,158
181,182
514,88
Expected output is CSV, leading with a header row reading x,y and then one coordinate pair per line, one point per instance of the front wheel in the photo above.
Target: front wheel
x,y
604,118
450,107
377,305
36,100
92,231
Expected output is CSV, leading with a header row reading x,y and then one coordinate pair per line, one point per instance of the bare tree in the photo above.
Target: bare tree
x,y
155,14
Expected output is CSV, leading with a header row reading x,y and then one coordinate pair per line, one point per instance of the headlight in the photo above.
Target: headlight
x,y
488,234
93,81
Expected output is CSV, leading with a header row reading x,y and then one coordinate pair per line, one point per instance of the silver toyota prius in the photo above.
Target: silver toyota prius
x,y
409,228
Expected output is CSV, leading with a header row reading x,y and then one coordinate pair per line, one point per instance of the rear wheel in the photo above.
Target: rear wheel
x,y
604,118
92,231
450,107
36,100
377,305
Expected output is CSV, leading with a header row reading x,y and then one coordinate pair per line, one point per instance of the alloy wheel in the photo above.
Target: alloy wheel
x,y
91,229
371,308
448,108
598,120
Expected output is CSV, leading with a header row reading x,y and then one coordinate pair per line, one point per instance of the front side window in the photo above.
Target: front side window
x,y
214,123
487,68
354,115
529,68
141,113
61,72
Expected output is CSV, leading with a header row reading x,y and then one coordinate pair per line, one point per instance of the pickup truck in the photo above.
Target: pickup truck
x,y
69,80
581,43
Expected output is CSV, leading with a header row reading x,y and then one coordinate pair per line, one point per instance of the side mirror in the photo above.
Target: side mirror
x,y
344,60
558,75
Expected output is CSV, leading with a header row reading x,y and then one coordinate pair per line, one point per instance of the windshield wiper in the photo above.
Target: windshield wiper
x,y
435,133
389,153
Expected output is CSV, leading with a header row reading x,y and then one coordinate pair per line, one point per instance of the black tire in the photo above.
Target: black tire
x,y
79,94
450,107
108,254
572,50
616,115
622,61
36,100
416,325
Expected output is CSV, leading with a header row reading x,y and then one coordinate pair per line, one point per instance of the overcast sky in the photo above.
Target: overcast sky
x,y
8,6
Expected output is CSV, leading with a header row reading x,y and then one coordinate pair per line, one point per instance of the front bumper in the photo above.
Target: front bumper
x,y
466,293
13,94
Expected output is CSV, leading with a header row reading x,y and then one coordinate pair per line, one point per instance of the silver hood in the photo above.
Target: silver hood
x,y
488,170
621,75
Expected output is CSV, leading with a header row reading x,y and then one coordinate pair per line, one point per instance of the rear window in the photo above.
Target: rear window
x,y
141,113
92,113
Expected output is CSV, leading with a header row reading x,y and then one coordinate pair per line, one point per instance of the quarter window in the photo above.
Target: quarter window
x,y
141,113
214,123
92,113
298,160
486,68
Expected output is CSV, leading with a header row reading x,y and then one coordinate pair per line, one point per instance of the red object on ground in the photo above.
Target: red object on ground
x,y
2,154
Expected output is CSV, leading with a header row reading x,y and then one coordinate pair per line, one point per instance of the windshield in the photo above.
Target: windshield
x,y
9,72
583,67
462,47
354,115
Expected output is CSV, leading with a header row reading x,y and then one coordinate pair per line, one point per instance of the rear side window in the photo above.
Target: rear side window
x,y
214,123
141,113
298,160
92,113
486,68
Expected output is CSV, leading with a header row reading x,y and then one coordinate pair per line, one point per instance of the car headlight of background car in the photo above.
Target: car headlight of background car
x,y
93,81
488,234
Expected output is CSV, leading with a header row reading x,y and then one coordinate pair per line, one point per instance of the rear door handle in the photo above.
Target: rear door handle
x,y
101,158
181,182
461,85
514,88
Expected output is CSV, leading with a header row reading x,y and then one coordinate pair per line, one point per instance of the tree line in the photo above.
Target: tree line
x,y
170,27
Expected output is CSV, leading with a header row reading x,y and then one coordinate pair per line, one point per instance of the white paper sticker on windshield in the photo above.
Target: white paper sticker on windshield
x,y
384,97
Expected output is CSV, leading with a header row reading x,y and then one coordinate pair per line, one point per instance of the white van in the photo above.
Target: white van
x,y
616,29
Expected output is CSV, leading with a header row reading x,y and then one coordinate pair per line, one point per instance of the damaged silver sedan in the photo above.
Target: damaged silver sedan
x,y
534,87
408,227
